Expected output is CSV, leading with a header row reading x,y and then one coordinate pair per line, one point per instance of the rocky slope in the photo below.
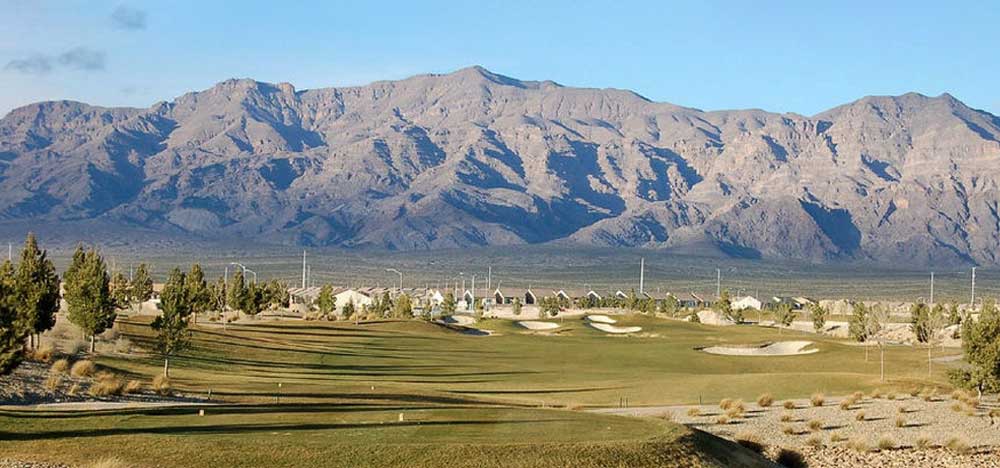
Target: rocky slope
x,y
475,158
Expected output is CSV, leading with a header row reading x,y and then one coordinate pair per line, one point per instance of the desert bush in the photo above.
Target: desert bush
x,y
817,399
788,430
786,417
815,425
789,404
900,422
814,441
957,407
83,368
914,391
668,416
733,413
765,400
693,412
858,396
858,445
876,393
860,416
958,395
751,441
885,443
133,386
59,367
52,382
790,459
161,384
43,353
930,395
890,396
722,419
739,406
958,446
726,403
922,443
846,404
106,384
902,410
837,437
74,390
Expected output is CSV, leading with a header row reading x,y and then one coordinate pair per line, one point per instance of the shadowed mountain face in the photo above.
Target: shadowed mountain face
x,y
474,158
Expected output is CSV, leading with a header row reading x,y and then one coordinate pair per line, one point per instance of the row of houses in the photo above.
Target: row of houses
x,y
503,295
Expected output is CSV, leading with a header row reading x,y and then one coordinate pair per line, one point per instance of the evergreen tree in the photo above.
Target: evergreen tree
x,y
326,302
981,344
120,290
13,328
784,315
670,306
724,306
142,284
920,322
171,326
254,299
349,310
403,308
36,287
819,315
857,325
198,291
237,292
449,304
218,293
88,294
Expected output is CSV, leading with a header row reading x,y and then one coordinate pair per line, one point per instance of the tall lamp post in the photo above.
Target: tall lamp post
x,y
400,277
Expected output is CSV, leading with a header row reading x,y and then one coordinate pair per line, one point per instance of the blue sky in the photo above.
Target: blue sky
x,y
792,56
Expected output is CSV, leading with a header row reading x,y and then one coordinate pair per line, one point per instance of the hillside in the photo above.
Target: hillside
x,y
474,158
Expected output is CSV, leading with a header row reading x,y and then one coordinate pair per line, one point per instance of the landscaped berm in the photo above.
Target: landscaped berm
x,y
417,393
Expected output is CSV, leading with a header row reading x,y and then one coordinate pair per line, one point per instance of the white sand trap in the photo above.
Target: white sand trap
x,y
780,348
463,320
607,328
533,325
711,317
601,319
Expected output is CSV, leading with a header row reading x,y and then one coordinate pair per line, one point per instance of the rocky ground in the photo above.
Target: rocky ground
x,y
8,463
840,457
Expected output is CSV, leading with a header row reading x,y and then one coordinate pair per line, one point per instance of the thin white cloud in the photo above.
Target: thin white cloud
x,y
77,58
126,17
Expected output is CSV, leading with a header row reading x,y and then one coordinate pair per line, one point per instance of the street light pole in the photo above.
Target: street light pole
x,y
400,277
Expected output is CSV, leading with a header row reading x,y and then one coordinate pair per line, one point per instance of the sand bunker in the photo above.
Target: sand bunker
x,y
711,317
601,319
533,325
781,348
463,320
606,328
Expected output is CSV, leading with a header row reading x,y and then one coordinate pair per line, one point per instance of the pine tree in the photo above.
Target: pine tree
x,y
981,344
88,294
237,291
784,315
403,308
142,284
349,310
198,290
171,326
449,305
13,328
121,292
325,302
36,288
920,322
819,315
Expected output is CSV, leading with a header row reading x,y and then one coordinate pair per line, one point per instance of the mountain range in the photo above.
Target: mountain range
x,y
474,158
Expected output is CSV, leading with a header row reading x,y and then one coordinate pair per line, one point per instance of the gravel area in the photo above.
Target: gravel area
x,y
9,463
838,457
934,420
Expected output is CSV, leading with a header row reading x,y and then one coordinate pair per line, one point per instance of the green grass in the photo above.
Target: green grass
x,y
466,400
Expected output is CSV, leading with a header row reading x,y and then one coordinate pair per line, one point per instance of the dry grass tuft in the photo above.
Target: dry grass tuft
x,y
75,389
789,404
107,384
847,404
161,384
786,417
886,443
958,395
923,443
43,353
789,430
790,459
859,445
751,441
876,393
722,420
817,399
726,403
109,462
857,396
890,396
837,437
59,367
765,400
814,441
900,422
52,382
860,416
959,446
133,386
83,368
815,425
694,412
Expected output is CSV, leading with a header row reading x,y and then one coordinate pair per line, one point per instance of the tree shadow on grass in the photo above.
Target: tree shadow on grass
x,y
247,428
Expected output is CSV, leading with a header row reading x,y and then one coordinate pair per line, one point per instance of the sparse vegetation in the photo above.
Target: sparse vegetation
x,y
815,425
885,443
765,400
814,441
84,368
959,446
751,441
859,445
817,399
106,384
789,405
59,367
901,422
161,384
790,459
860,416
786,417
837,437
694,412
922,443
726,403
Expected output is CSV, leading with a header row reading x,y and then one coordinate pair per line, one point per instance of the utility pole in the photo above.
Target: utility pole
x,y
393,270
642,274
718,283
932,289
972,303
10,252
303,269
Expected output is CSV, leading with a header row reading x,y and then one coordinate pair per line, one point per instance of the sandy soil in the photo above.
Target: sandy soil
x,y
780,348
601,319
607,328
532,325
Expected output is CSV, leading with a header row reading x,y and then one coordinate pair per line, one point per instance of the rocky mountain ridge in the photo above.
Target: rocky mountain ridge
x,y
476,158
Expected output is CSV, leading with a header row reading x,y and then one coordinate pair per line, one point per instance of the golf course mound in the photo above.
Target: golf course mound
x,y
780,348
535,325
607,328
601,319
463,320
